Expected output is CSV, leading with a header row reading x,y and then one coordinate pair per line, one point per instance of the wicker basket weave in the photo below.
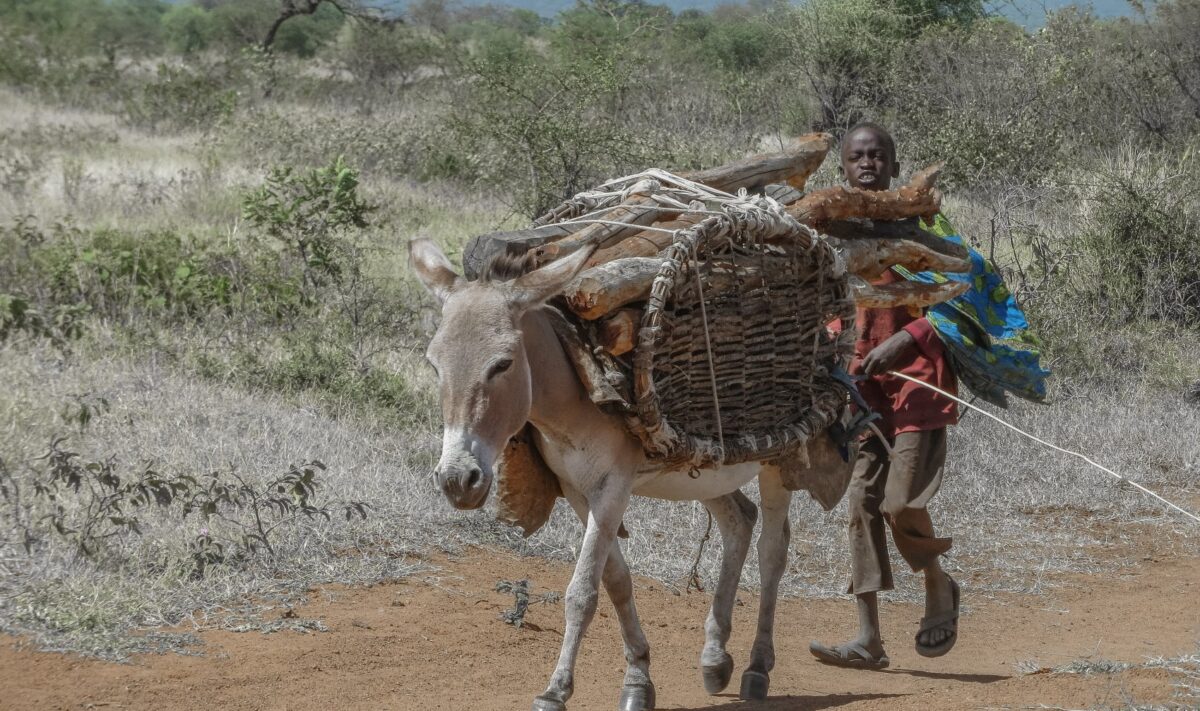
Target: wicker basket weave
x,y
733,357
732,360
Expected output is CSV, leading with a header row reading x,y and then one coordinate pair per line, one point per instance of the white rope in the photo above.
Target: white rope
x,y
1018,430
579,221
882,440
665,177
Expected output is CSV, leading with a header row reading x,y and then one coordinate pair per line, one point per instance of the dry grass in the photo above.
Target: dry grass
x,y
1183,671
1022,518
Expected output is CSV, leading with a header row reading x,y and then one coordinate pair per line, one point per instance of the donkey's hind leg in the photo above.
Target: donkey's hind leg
x,y
772,558
735,515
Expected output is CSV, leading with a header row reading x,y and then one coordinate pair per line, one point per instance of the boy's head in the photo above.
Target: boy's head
x,y
869,157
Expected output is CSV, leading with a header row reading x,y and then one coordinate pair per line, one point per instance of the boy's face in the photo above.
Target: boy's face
x,y
867,160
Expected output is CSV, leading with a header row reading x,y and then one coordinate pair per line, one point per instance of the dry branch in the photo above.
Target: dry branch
x,y
607,287
481,248
618,333
646,243
914,295
909,230
611,227
792,166
870,258
917,199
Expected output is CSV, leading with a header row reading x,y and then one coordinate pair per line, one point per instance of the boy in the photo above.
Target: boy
x,y
914,421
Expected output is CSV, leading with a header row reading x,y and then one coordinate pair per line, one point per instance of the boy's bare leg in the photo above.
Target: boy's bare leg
x,y
939,598
869,634
870,570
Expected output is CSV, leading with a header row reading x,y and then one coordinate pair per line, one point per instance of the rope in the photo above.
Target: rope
x,y
665,177
882,440
1016,429
581,221
693,578
712,370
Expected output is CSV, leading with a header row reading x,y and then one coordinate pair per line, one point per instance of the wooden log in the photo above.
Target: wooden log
x,y
919,198
607,287
483,247
908,230
792,166
617,332
613,226
646,243
870,258
926,179
914,295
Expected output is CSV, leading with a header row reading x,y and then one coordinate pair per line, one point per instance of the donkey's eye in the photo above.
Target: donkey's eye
x,y
499,367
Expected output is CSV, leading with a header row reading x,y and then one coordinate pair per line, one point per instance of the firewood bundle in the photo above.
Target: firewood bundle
x,y
871,230
705,297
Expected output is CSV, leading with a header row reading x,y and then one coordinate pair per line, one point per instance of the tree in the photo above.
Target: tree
x,y
296,8
187,28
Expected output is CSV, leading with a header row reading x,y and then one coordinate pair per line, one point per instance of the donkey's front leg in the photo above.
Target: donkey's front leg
x,y
772,558
637,693
735,515
606,508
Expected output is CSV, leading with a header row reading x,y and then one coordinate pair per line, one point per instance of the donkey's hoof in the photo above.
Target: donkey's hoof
x,y
716,676
754,686
545,703
637,697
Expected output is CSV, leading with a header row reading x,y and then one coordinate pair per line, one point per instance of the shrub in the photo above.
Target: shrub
x,y
542,128
310,214
1139,235
188,28
92,505
183,98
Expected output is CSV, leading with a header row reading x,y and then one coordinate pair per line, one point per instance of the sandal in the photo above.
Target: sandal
x,y
946,620
841,656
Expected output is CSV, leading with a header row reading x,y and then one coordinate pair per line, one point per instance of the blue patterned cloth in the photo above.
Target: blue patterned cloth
x,y
986,334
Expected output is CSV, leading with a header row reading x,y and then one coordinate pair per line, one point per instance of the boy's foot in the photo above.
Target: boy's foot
x,y
852,655
939,626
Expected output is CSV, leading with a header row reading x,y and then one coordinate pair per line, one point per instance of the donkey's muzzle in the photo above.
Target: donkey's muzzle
x,y
465,487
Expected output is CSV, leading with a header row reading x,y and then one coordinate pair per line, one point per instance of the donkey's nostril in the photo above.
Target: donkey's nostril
x,y
473,477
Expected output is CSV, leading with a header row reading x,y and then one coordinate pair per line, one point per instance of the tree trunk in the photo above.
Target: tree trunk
x,y
618,333
607,287
917,199
792,166
618,223
646,243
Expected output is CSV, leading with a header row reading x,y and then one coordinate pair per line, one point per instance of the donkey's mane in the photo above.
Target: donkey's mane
x,y
513,262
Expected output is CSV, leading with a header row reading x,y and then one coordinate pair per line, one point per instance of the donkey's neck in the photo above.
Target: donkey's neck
x,y
556,389
561,408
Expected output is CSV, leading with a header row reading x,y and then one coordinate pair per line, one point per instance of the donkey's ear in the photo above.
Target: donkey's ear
x,y
540,285
433,268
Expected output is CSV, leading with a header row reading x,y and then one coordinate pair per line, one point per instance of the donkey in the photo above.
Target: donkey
x,y
500,366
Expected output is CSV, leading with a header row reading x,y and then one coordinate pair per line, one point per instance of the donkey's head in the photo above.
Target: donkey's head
x,y
482,367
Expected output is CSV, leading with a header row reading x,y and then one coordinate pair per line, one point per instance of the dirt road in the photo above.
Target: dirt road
x,y
435,642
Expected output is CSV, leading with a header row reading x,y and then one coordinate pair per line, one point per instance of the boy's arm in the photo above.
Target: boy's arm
x,y
919,335
925,338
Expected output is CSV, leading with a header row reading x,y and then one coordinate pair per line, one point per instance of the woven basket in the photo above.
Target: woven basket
x,y
733,358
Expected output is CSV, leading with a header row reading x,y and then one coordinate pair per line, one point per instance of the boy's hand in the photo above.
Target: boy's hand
x,y
886,355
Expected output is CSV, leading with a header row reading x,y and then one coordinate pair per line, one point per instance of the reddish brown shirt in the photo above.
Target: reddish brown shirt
x,y
905,406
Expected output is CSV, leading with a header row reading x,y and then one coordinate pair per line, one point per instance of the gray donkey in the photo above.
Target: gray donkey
x,y
500,366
